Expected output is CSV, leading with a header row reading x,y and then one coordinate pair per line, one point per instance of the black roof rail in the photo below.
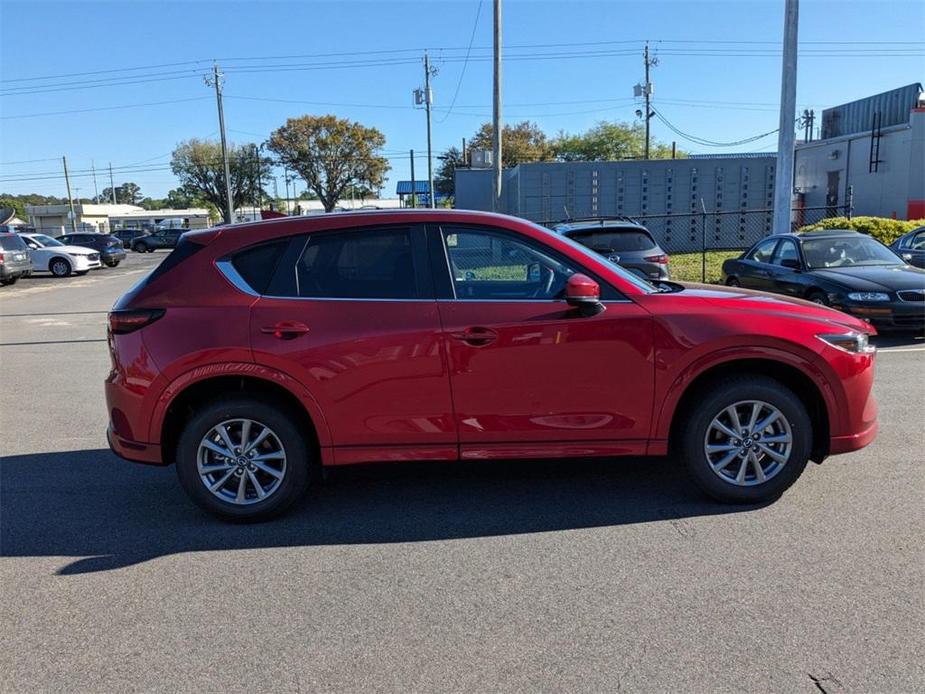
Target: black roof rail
x,y
601,219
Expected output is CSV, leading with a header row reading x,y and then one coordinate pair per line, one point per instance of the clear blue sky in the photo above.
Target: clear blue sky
x,y
274,50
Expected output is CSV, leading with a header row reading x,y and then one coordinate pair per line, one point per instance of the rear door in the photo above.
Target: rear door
x,y
757,267
351,314
530,375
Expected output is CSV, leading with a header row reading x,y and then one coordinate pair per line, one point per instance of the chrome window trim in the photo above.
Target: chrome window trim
x,y
232,275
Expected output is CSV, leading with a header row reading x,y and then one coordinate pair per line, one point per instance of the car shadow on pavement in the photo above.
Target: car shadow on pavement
x,y
114,514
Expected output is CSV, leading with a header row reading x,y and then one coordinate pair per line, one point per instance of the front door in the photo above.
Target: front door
x,y
351,315
528,372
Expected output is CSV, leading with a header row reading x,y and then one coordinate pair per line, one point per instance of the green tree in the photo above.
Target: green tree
x,y
198,166
609,141
520,143
331,154
445,180
127,194
17,203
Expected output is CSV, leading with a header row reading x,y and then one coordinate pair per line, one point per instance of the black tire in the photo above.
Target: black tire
x,y
60,267
818,297
713,401
113,263
140,248
732,282
287,431
10,281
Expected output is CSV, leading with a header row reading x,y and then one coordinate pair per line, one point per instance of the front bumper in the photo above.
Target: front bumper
x,y
888,315
853,442
112,255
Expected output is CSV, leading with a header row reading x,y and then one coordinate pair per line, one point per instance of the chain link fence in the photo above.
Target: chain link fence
x,y
699,242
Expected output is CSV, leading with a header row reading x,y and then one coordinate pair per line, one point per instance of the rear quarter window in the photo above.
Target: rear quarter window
x,y
257,264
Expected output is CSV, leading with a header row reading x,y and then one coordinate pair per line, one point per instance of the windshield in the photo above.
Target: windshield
x,y
847,252
44,240
588,253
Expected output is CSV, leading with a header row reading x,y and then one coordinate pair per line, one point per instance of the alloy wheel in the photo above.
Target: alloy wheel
x,y
241,461
748,443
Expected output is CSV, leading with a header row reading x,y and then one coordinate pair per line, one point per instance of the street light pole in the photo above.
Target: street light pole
x,y
783,176
70,200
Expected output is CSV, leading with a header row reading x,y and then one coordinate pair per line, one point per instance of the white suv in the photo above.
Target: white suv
x,y
49,255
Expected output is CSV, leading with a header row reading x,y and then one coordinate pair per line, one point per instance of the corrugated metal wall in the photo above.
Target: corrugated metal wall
x,y
856,117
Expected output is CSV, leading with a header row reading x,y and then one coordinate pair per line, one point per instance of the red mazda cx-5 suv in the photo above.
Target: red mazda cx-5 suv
x,y
254,353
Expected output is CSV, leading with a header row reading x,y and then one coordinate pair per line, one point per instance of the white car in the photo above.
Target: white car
x,y
49,255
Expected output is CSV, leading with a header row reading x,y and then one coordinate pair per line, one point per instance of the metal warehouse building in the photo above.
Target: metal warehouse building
x,y
875,146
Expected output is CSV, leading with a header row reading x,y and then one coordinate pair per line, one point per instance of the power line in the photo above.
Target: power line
x,y
705,142
102,108
462,73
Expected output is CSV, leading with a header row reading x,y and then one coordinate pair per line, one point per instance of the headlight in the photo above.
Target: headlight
x,y
856,343
869,296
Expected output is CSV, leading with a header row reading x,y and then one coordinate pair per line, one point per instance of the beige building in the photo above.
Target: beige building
x,y
55,220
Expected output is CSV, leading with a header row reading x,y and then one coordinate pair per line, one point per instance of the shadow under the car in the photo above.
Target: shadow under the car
x,y
114,514
899,339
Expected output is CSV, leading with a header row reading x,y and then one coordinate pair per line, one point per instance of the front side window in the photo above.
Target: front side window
x,y
917,242
363,264
762,252
787,250
488,265
12,243
46,241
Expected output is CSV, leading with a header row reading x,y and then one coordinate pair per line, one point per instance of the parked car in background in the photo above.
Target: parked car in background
x,y
126,236
15,261
620,240
110,247
50,255
842,269
161,238
911,247
255,352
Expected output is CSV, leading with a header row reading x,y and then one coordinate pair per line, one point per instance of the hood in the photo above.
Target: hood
x,y
875,278
737,299
73,250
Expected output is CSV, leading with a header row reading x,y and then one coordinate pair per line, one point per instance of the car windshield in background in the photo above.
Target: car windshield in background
x,y
44,240
616,241
846,252
12,243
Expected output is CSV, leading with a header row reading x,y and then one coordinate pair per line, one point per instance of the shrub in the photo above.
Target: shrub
x,y
883,229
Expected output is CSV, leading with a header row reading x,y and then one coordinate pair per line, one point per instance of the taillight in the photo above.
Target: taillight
x,y
130,320
660,259
1,257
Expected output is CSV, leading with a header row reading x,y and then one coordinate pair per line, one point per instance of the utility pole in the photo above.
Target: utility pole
x,y
216,81
807,121
414,198
70,200
783,176
496,108
646,90
286,179
112,186
96,190
464,161
428,99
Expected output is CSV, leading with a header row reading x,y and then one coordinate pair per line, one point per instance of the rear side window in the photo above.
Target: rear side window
x,y
762,252
605,241
12,243
362,264
257,264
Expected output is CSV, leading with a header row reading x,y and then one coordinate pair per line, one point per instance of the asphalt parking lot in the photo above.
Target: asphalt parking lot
x,y
534,576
